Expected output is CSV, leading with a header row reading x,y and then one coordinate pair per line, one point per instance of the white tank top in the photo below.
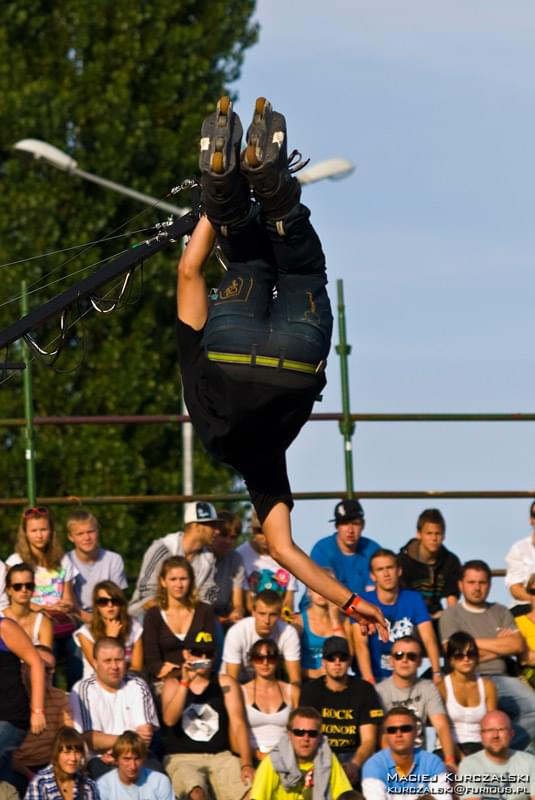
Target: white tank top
x,y
465,719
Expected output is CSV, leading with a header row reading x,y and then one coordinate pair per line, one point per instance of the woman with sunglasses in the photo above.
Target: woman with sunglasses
x,y
318,620
20,585
63,779
37,544
110,618
467,695
178,611
268,701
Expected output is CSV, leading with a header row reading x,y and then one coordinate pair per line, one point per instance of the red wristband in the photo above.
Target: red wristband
x,y
353,601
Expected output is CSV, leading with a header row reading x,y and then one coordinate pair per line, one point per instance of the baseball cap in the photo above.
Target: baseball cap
x,y
200,640
347,511
199,512
335,644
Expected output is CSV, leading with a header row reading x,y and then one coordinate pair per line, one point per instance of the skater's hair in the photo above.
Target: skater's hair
x,y
177,562
129,742
269,598
433,516
98,626
230,524
409,639
107,641
478,565
459,642
383,552
400,711
304,711
52,554
81,515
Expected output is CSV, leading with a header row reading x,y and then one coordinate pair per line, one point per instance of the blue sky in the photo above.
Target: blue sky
x,y
433,238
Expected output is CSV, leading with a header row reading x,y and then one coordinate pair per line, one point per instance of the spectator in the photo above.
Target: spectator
x,y
318,620
520,562
347,552
20,585
63,778
405,611
301,760
497,637
265,623
400,768
203,713
201,525
110,618
131,779
229,570
15,714
350,708
37,544
268,701
262,571
405,690
427,566
36,751
497,770
109,703
3,596
466,694
177,613
526,626
91,562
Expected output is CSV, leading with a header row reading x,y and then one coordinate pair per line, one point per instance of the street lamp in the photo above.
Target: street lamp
x,y
331,168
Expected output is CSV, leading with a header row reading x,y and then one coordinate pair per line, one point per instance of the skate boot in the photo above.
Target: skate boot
x,y
225,194
265,162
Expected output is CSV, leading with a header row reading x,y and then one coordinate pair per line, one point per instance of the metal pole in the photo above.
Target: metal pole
x,y
346,425
187,453
28,409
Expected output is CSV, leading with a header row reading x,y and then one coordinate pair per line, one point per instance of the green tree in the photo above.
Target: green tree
x,y
121,86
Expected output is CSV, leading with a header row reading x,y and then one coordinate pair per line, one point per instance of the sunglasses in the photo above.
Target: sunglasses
x,y
459,655
391,729
337,657
35,511
401,654
30,586
108,601
313,733
261,659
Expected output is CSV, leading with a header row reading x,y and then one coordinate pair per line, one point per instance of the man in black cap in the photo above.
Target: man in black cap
x,y
350,708
347,553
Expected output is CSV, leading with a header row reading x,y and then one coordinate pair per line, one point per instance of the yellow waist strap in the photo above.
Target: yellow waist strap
x,y
265,361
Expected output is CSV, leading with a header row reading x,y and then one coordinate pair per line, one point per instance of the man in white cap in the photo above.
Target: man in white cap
x,y
201,525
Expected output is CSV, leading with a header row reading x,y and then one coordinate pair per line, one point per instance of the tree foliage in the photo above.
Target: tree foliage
x,y
122,87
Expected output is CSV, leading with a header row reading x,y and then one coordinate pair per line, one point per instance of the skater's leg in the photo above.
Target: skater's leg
x,y
192,301
277,528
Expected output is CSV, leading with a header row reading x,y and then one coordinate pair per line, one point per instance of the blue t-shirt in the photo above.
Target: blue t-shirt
x,y
151,785
404,616
381,767
351,570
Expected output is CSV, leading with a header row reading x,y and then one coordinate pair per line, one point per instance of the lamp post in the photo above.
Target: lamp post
x,y
329,169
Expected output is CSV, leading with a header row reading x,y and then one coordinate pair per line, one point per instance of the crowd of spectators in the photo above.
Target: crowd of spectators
x,y
212,682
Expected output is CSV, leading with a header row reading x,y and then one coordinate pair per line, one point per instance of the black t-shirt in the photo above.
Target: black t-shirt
x,y
203,726
343,712
246,417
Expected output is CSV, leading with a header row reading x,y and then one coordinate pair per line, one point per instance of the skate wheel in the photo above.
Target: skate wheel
x,y
250,156
223,105
216,164
260,105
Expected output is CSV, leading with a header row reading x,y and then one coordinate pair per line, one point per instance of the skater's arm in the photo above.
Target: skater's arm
x,y
192,301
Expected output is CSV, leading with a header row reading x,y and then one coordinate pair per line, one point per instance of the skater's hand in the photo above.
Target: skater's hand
x,y
370,618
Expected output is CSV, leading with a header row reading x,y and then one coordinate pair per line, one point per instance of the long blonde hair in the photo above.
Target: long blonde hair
x,y
52,554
